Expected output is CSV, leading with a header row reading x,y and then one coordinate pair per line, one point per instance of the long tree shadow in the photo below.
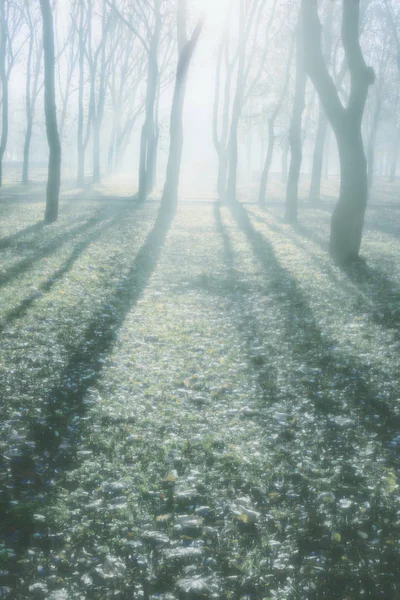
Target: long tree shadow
x,y
20,310
245,321
51,246
8,240
352,377
53,439
353,381
381,290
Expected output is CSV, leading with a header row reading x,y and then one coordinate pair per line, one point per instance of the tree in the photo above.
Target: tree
x,y
186,49
348,216
11,19
33,71
53,179
271,131
322,126
295,141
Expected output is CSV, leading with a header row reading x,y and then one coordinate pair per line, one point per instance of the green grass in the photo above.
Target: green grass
x,y
207,413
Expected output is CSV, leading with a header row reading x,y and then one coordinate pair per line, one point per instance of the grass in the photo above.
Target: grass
x,y
205,412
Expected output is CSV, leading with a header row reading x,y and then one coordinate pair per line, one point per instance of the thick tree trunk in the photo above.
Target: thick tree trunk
x,y
53,180
295,138
348,216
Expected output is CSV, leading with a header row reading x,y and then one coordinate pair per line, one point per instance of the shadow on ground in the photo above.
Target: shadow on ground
x,y
53,439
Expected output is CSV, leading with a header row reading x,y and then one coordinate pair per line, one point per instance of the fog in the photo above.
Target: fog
x,y
114,62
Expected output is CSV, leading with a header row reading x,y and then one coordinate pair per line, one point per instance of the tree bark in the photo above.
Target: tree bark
x,y
186,47
295,140
147,147
322,127
53,179
348,216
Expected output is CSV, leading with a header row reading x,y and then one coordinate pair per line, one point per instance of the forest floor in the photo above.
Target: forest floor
x,y
210,411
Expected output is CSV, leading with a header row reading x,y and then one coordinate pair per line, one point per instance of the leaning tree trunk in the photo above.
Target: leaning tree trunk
x,y
348,217
169,198
295,140
53,179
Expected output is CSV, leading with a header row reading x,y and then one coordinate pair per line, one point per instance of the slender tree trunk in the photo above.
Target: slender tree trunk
x,y
147,134
327,153
80,180
236,113
53,180
393,166
285,156
169,198
372,142
295,140
28,134
322,127
4,86
268,161
271,133
318,158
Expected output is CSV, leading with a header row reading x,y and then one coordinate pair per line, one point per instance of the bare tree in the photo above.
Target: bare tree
x,y
348,217
271,130
186,49
32,85
295,139
11,19
53,180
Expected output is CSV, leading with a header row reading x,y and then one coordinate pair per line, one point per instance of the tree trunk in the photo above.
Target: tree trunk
x,y
4,86
348,216
28,134
53,180
285,156
393,166
147,135
372,142
318,158
267,164
169,198
322,128
80,180
236,113
295,140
